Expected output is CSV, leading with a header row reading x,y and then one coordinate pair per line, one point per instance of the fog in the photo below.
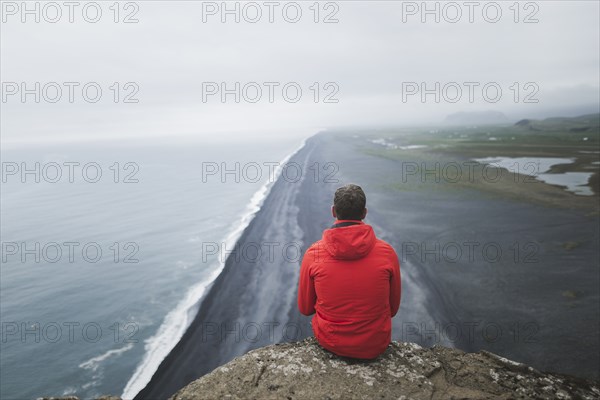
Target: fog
x,y
190,70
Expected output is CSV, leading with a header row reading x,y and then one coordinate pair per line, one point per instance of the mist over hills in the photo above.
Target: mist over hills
x,y
583,123
476,118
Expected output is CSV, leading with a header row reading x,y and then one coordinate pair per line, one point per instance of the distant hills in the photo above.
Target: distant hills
x,y
477,118
583,123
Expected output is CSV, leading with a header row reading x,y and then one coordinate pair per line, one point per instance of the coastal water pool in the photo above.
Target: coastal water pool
x,y
538,167
393,146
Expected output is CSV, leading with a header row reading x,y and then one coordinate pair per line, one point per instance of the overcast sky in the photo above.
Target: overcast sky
x,y
374,61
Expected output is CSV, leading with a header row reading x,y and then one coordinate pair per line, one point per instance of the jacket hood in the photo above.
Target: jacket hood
x,y
349,242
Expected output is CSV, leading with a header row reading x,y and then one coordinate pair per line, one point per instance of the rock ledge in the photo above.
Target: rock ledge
x,y
303,370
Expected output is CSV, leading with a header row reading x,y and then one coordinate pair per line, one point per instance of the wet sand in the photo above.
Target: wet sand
x,y
537,303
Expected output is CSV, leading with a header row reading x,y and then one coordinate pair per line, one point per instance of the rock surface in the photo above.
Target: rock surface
x,y
77,398
303,370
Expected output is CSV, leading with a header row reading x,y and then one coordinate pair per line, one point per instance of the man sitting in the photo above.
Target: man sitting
x,y
350,280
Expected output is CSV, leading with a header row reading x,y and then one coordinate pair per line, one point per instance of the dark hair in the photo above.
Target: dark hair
x,y
349,202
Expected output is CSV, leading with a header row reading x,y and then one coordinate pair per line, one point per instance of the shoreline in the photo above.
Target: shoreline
x,y
190,305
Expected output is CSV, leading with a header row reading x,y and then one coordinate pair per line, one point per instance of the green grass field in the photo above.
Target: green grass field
x,y
574,138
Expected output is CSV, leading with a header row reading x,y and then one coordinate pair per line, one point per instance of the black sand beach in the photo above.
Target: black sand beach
x,y
537,303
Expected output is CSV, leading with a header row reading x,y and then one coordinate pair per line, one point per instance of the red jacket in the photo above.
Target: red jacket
x,y
351,280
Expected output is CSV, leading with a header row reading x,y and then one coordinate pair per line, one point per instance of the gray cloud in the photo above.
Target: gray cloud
x,y
368,54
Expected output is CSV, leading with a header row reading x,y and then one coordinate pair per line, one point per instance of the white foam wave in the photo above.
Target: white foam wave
x,y
179,319
94,362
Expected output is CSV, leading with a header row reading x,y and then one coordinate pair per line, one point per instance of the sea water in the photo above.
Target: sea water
x,y
107,250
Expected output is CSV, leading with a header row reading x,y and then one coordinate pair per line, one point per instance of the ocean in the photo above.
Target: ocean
x,y
107,250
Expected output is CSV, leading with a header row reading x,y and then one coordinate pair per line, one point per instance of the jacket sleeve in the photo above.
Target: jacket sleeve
x,y
395,285
307,297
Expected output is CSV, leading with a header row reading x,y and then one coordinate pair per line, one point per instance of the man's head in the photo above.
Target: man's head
x,y
349,202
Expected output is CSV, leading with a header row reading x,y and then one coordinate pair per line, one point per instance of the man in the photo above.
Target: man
x,y
350,280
